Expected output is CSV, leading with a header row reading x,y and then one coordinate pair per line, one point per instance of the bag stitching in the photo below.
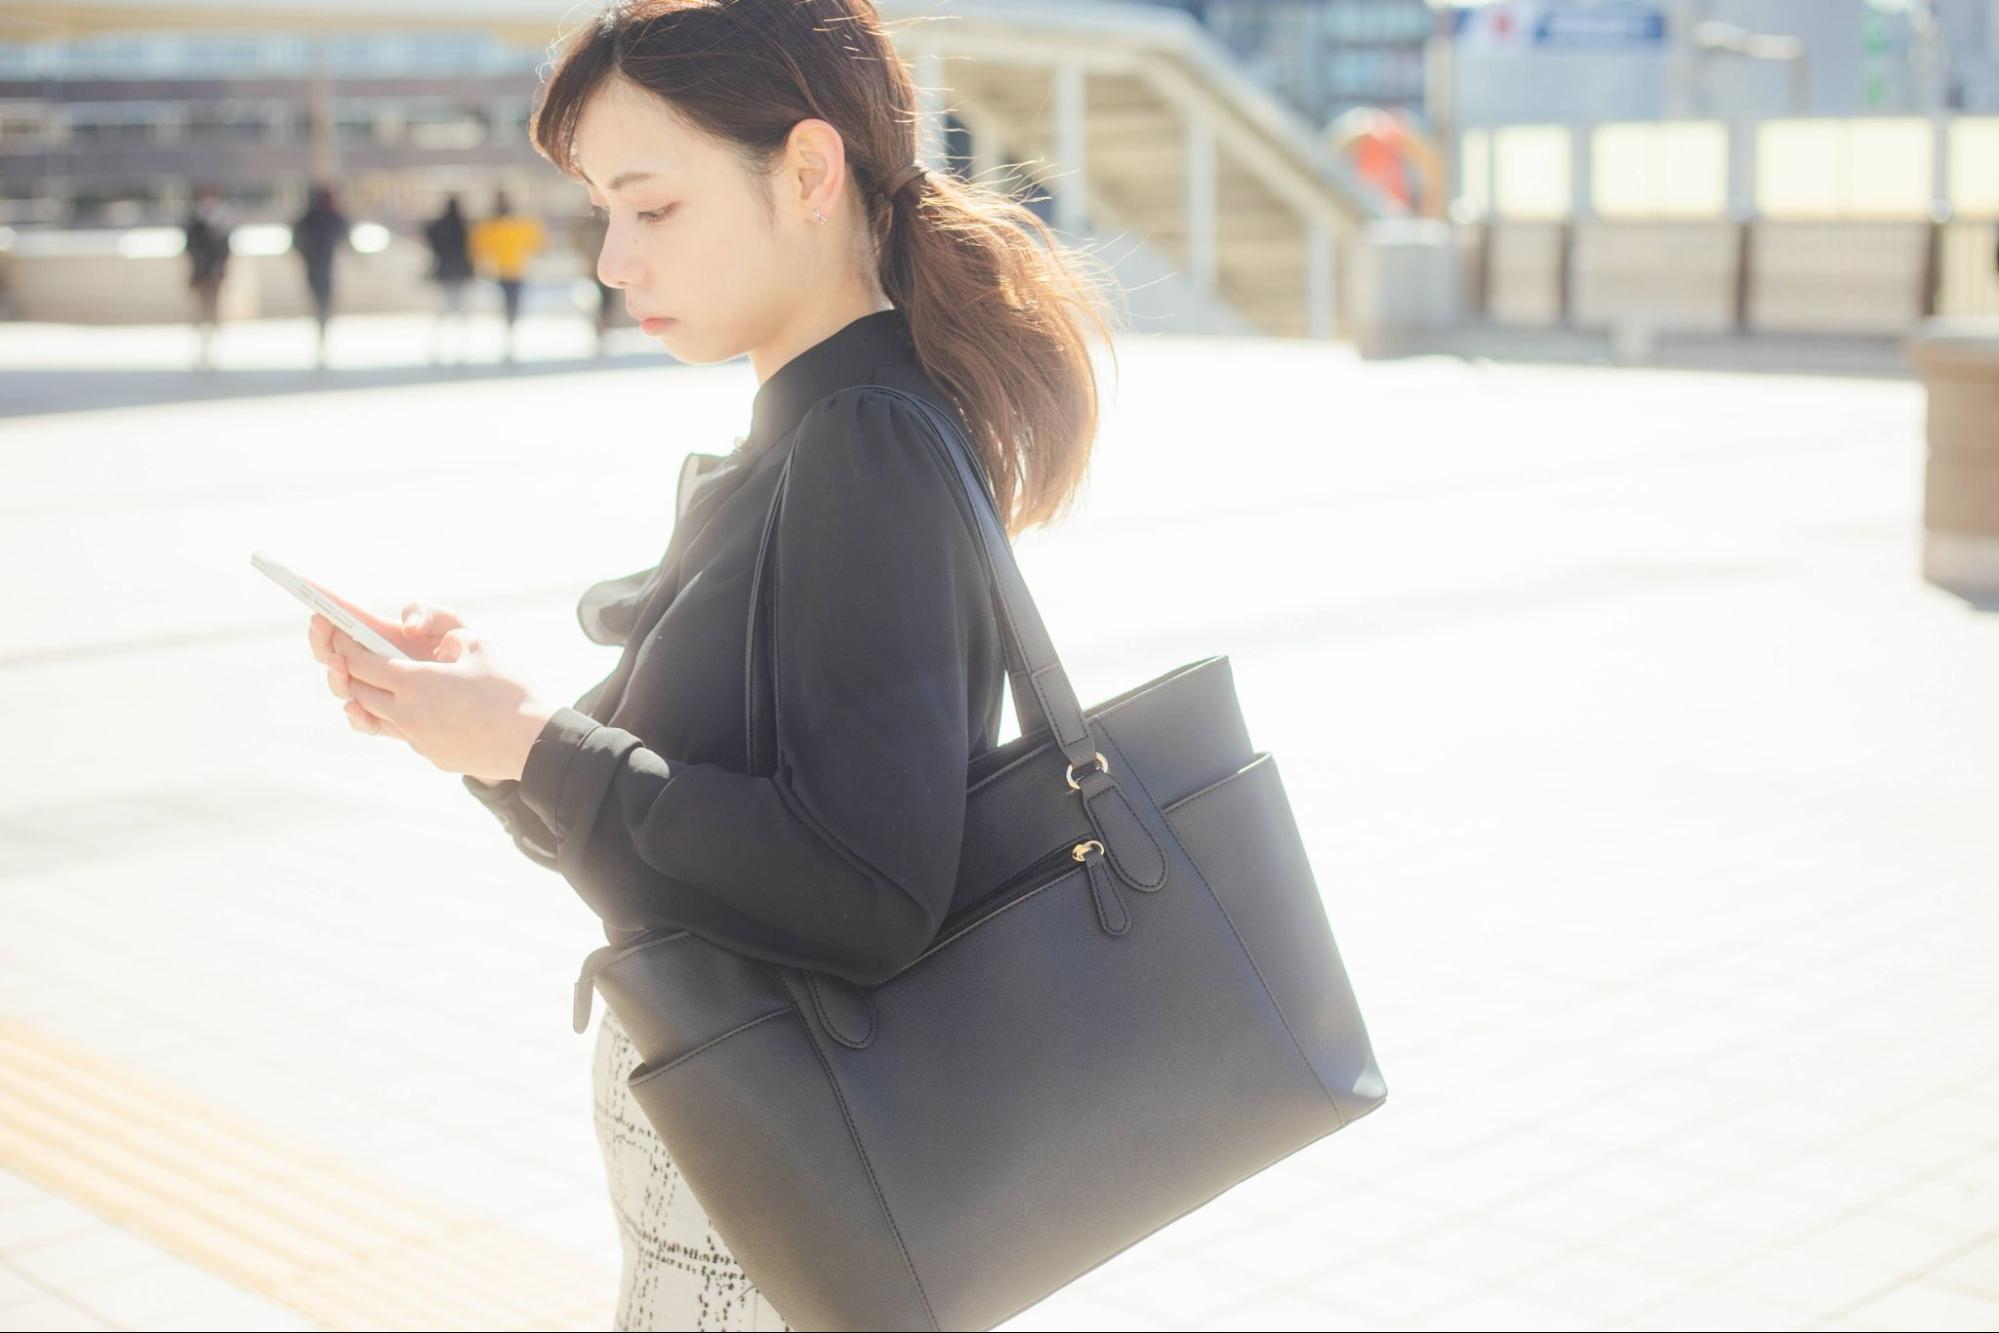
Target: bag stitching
x,y
1218,784
1143,885
812,988
1108,890
765,539
1031,756
682,1059
854,1136
949,940
1229,921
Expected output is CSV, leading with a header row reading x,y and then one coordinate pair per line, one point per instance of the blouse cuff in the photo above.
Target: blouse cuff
x,y
571,765
550,762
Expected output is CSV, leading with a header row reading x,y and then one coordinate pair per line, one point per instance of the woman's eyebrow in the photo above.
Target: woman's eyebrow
x,y
621,181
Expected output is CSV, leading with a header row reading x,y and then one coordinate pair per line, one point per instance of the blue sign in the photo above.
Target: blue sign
x,y
1557,26
1600,27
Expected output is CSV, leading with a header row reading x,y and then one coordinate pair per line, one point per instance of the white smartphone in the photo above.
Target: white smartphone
x,y
355,628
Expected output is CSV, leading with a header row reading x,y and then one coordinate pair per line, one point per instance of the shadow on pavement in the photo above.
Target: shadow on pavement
x,y
40,392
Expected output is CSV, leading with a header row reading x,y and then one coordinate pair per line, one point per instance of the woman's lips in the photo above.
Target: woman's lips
x,y
654,325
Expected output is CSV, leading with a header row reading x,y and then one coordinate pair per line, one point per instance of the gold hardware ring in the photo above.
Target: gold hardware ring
x,y
1081,849
1070,775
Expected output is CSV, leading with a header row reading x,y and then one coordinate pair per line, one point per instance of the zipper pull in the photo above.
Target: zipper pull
x,y
1111,912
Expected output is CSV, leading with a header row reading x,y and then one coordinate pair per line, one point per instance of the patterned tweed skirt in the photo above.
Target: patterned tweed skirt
x,y
677,1273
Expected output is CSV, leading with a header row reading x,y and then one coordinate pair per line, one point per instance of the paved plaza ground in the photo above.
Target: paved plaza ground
x,y
1651,791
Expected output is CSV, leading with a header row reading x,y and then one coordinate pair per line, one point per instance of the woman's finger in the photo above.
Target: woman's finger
x,y
337,680
388,673
362,720
319,637
388,629
430,620
376,700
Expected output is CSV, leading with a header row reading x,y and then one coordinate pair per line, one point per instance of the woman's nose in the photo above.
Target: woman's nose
x,y
617,266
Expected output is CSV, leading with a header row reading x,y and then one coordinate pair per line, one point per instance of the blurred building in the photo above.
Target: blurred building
x,y
1326,57
1517,61
119,130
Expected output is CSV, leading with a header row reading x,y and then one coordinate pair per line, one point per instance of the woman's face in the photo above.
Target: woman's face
x,y
688,238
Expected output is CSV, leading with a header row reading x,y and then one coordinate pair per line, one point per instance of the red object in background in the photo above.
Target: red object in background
x,y
1380,157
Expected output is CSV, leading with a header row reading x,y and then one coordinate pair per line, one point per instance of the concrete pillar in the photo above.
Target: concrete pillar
x,y
932,100
1741,168
987,137
1321,314
1403,288
1071,148
1959,363
1582,188
1203,207
325,148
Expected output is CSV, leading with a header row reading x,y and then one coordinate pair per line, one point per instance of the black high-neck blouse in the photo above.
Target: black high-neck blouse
x,y
887,674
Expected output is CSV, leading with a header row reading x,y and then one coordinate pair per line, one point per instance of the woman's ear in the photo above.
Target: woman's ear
x,y
815,168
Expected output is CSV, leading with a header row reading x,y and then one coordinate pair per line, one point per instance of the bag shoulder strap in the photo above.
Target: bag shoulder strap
x,y
1043,697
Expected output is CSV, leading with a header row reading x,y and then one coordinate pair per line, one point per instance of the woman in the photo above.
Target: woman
x,y
503,245
451,269
206,242
319,234
754,161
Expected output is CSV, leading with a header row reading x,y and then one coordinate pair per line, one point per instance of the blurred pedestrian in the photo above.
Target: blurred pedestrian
x,y
317,235
502,245
205,241
450,243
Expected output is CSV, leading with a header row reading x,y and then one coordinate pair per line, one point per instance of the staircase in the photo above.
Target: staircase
x,y
1139,125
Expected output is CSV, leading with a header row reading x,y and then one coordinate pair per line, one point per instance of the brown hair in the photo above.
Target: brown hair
x,y
996,305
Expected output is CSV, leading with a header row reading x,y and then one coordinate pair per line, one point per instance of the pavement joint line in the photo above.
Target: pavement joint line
x,y
258,631
294,1224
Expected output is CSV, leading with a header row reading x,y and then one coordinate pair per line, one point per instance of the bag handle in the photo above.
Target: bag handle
x,y
1042,695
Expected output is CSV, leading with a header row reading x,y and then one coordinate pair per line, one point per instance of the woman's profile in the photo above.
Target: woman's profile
x,y
756,164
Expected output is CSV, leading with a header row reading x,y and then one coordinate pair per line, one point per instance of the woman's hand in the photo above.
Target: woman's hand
x,y
464,711
422,630
504,716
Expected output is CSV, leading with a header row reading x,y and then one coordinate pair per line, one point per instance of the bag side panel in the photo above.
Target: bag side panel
x,y
1242,835
756,1128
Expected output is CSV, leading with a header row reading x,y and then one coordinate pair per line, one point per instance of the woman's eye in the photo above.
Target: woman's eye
x,y
654,215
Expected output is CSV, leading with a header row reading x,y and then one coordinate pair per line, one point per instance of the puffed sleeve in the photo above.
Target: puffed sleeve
x,y
844,859
607,614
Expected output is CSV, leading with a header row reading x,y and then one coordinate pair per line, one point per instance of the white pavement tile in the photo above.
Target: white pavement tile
x,y
1288,1311
48,1313
1927,1306
1718,1309
1975,1271
31,1221
1390,1287
1601,1286
1502,1308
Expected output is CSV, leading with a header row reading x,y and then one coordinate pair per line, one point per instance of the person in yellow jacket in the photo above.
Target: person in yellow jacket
x,y
501,247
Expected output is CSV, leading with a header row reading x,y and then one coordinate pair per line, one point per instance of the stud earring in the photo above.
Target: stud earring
x,y
817,216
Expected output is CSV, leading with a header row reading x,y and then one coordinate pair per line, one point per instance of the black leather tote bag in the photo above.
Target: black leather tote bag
x,y
1134,1004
